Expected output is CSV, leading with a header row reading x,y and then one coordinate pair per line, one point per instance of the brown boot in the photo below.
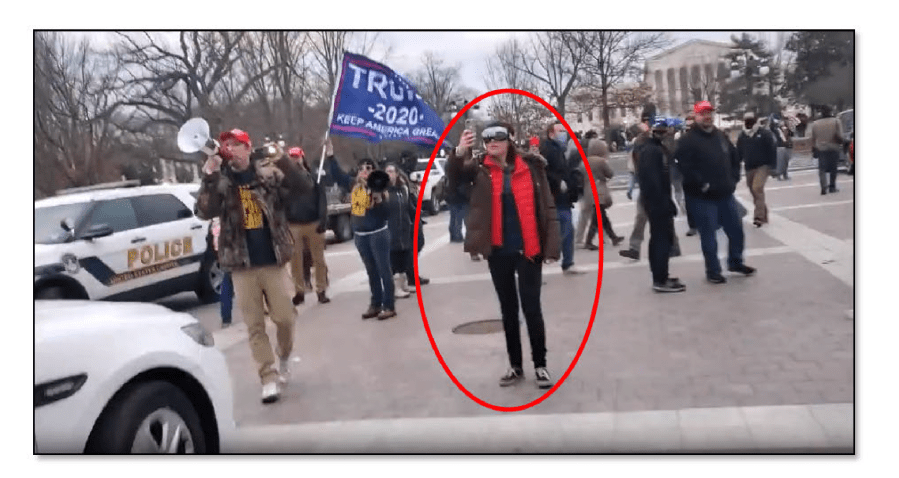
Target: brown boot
x,y
322,298
386,314
372,312
299,298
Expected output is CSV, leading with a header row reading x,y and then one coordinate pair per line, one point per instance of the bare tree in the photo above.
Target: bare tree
x,y
327,54
197,78
436,83
73,107
555,61
523,113
703,85
615,56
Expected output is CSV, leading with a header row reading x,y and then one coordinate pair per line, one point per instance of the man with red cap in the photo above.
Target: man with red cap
x,y
308,218
710,167
247,191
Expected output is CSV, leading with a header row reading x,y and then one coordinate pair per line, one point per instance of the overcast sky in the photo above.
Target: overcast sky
x,y
469,49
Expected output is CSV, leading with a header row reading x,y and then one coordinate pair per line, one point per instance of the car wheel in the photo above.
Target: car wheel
x,y
51,293
150,417
343,229
211,278
433,205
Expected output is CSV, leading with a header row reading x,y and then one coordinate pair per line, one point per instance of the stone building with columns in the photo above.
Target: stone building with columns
x,y
690,72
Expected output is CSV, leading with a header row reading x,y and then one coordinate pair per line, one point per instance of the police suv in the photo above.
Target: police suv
x,y
122,241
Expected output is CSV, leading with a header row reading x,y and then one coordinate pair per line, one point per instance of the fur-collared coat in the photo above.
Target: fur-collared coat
x,y
275,184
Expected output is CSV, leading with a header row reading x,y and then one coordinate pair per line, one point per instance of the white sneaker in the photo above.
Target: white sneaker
x,y
283,371
270,392
571,271
399,286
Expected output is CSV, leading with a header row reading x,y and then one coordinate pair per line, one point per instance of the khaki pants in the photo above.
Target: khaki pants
x,y
755,181
249,287
317,250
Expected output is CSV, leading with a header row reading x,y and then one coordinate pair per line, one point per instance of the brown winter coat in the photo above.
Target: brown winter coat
x,y
827,134
597,157
478,240
272,189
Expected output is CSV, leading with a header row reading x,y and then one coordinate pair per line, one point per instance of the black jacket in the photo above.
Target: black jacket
x,y
402,215
758,150
457,192
557,170
707,158
309,207
654,178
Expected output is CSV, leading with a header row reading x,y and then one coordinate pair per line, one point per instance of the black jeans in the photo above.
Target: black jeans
x,y
661,235
401,262
606,226
503,268
827,164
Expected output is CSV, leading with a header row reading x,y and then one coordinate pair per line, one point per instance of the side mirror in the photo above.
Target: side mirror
x,y
98,230
66,225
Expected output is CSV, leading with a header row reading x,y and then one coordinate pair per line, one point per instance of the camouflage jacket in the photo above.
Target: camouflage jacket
x,y
275,184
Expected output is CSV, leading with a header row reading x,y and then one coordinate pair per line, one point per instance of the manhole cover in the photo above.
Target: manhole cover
x,y
479,327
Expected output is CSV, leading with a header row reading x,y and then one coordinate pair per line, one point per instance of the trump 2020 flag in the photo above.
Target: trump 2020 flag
x,y
376,104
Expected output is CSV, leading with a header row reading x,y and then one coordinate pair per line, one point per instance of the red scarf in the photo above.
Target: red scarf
x,y
523,192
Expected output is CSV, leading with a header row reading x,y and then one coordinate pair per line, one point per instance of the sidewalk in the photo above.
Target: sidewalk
x,y
760,364
784,429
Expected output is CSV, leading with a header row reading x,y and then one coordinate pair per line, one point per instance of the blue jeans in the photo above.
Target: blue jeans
x,y
375,252
708,216
226,298
458,213
567,230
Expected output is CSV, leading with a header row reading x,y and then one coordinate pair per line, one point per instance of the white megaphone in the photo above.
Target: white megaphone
x,y
194,136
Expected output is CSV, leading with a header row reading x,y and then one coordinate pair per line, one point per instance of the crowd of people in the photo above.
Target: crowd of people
x,y
511,204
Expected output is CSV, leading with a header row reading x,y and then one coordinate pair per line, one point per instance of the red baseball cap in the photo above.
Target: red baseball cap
x,y
240,135
703,106
535,141
296,152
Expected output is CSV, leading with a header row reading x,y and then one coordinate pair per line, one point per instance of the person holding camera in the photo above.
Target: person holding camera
x,y
369,216
247,192
513,223
308,217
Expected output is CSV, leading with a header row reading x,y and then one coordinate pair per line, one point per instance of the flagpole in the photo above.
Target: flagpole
x,y
337,79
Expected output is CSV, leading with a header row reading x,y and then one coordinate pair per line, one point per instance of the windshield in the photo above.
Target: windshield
x,y
848,120
47,227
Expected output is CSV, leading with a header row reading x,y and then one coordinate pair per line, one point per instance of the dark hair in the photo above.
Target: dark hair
x,y
551,128
369,161
401,178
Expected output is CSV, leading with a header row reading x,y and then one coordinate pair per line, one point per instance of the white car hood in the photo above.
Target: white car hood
x,y
46,254
54,317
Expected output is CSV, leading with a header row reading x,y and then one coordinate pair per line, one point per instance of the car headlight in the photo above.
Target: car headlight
x,y
49,392
199,334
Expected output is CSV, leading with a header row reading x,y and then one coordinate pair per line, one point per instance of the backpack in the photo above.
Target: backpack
x,y
576,186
